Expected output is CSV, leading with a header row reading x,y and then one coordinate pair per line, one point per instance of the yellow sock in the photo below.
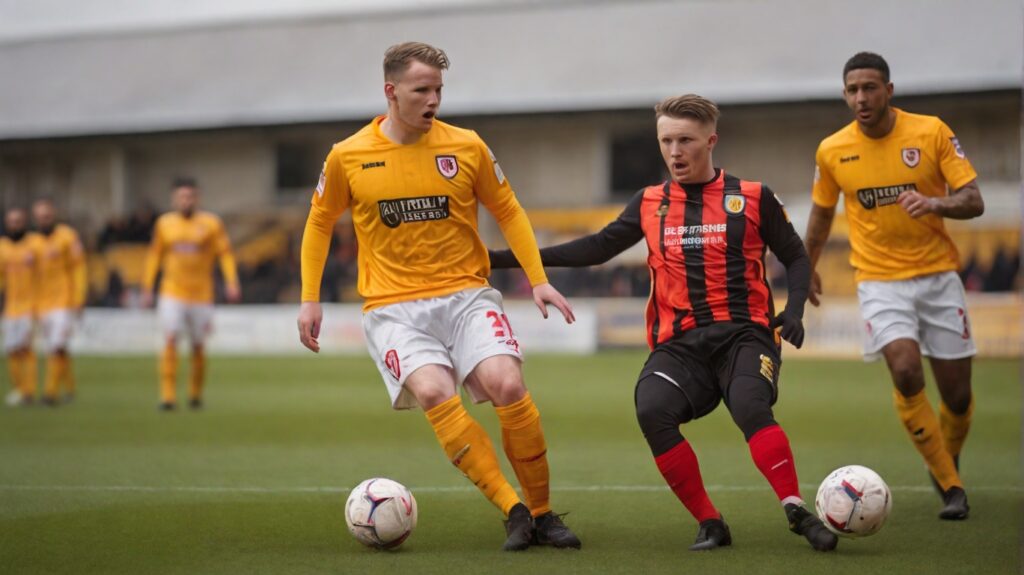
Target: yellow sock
x,y
68,376
527,451
53,376
920,422
30,371
955,427
468,448
195,380
168,373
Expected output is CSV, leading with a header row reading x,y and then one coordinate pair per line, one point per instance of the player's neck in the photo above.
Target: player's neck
x,y
883,127
703,178
398,132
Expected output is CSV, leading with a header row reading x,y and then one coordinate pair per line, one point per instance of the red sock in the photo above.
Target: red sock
x,y
682,473
770,451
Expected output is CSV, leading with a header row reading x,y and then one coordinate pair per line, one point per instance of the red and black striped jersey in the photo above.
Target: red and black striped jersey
x,y
706,246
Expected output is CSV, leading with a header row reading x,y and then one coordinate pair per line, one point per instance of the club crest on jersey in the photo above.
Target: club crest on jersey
x,y
734,203
911,157
448,166
391,362
957,149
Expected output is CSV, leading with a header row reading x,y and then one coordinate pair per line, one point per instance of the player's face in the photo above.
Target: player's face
x,y
415,97
185,200
44,215
868,95
15,221
686,146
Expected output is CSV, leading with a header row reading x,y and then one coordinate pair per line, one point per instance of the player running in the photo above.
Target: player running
x,y
19,279
710,315
432,322
61,295
186,244
894,168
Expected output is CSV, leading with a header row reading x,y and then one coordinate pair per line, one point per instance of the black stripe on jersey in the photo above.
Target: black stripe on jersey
x,y
735,261
677,321
663,213
657,311
696,281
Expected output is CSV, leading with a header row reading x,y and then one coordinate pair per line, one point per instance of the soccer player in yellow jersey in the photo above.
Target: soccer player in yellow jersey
x,y
19,268
901,174
61,295
186,244
431,320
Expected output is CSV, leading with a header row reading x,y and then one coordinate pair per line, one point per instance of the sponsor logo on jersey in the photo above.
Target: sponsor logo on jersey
x,y
391,362
694,237
734,203
447,165
410,210
767,367
853,158
185,248
957,149
911,156
369,165
872,198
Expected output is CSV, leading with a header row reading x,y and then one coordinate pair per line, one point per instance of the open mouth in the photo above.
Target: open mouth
x,y
429,115
678,166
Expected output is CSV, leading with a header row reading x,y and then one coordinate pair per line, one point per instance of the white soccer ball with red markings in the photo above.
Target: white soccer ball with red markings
x,y
853,501
381,513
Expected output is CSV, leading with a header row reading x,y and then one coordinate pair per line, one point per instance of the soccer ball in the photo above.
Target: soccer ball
x,y
380,513
853,501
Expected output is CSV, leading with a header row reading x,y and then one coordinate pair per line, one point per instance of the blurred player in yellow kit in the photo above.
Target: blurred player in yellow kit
x,y
19,267
186,245
431,320
61,294
902,174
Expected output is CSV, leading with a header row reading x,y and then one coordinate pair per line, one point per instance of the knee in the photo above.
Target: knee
x,y
958,400
752,417
504,385
907,376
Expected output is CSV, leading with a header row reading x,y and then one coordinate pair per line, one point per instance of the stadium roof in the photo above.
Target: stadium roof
x,y
108,66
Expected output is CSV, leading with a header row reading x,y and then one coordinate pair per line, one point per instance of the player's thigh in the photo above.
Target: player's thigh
x,y
498,379
889,311
431,385
172,315
17,333
482,330
57,327
692,376
199,322
945,328
754,356
399,348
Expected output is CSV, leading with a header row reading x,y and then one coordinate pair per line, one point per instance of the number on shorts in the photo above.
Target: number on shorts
x,y
500,324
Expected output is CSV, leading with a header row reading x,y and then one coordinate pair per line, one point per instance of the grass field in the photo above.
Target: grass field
x,y
256,482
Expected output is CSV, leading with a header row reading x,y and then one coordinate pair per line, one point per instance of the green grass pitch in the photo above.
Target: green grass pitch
x,y
256,482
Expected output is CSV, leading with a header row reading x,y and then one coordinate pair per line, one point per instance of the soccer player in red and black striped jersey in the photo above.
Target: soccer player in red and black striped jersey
x,y
710,318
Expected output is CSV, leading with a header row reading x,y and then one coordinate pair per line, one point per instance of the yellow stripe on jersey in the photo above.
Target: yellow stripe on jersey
x,y
920,153
19,274
62,274
186,249
414,209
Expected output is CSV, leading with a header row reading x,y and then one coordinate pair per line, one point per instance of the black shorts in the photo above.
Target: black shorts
x,y
703,361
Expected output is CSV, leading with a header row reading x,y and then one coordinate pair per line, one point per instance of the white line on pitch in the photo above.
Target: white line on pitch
x,y
436,489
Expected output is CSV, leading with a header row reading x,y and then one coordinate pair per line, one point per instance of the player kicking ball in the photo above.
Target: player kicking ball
x,y
710,317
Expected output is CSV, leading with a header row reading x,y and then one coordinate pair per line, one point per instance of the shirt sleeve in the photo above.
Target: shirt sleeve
x,y
497,196
825,191
956,168
225,255
331,198
778,234
597,248
154,257
79,272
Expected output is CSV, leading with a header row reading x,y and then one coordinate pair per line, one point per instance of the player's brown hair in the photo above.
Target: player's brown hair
x,y
688,106
398,58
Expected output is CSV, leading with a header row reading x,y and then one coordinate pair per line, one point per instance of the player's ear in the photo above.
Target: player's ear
x,y
712,140
389,91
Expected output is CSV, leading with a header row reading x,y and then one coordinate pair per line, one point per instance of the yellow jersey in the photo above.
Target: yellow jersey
x,y
414,210
19,274
62,277
186,249
920,153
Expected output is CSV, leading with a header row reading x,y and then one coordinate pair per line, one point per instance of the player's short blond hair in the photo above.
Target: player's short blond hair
x,y
688,106
398,58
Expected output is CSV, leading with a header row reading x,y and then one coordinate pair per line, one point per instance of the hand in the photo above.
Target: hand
x,y
147,298
812,296
918,205
544,294
792,328
233,293
310,318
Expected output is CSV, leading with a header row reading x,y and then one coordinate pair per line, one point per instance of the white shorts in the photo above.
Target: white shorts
x,y
57,325
178,317
457,331
17,332
930,310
